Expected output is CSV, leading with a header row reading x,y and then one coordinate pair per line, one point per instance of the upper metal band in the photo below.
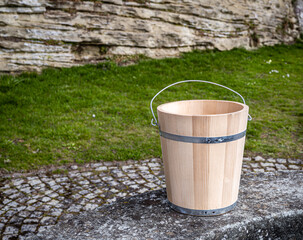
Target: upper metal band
x,y
207,140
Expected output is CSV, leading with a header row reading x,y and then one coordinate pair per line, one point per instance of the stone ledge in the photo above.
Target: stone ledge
x,y
270,206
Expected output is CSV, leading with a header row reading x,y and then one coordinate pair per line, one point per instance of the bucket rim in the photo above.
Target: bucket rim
x,y
160,108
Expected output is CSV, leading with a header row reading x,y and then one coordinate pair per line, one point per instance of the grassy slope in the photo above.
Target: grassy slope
x,y
48,118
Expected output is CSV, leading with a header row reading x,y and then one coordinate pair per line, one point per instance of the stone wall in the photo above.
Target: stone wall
x,y
298,5
63,33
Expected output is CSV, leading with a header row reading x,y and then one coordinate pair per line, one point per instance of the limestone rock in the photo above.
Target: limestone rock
x,y
299,13
54,33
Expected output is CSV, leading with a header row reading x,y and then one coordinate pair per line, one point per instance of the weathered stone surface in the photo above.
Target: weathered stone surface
x,y
299,13
52,33
270,206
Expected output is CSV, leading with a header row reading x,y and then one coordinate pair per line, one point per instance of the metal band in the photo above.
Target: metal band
x,y
207,140
195,212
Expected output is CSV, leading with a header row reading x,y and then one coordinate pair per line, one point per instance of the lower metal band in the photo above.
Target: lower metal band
x,y
212,212
207,140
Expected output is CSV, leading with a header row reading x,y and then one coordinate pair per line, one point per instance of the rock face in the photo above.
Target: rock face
x,y
63,33
299,12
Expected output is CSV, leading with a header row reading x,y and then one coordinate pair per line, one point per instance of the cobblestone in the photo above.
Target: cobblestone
x,y
281,167
10,230
259,158
267,164
272,160
296,161
28,228
33,202
270,169
281,160
294,167
255,165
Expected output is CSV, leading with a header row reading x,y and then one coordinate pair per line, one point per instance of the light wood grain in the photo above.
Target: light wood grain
x,y
202,176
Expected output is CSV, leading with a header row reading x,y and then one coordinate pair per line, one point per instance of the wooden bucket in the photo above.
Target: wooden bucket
x,y
202,148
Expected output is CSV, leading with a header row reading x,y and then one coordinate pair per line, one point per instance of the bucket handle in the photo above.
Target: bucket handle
x,y
154,120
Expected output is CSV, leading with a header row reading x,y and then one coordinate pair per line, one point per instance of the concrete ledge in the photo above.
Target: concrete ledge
x,y
270,206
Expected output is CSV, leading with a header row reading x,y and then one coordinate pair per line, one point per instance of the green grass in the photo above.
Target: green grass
x,y
48,118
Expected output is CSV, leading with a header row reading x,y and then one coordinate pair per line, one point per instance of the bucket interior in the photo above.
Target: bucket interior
x,y
201,107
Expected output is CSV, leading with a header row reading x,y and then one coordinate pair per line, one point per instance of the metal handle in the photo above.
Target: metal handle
x,y
154,120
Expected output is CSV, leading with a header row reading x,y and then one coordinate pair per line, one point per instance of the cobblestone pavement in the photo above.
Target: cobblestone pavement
x,y
31,203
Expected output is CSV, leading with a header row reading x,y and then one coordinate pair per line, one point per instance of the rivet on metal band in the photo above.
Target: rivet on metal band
x,y
195,212
207,140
